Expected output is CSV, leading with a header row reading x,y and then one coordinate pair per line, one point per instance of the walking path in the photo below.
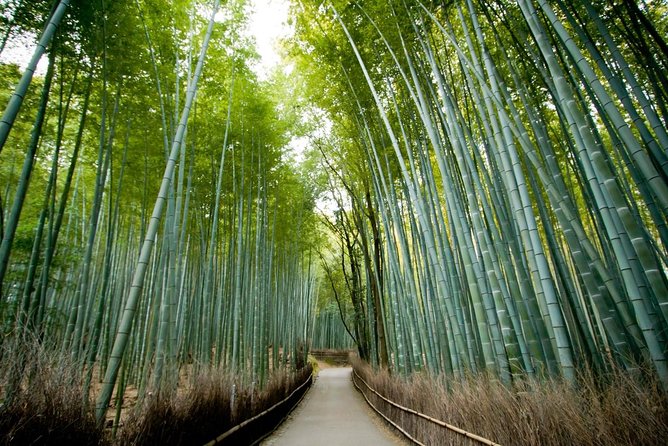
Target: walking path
x,y
333,413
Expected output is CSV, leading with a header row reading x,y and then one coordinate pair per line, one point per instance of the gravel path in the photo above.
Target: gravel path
x,y
333,413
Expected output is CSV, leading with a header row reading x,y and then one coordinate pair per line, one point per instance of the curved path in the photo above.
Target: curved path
x,y
333,413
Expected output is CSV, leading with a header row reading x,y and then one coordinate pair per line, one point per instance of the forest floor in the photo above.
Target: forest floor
x,y
333,412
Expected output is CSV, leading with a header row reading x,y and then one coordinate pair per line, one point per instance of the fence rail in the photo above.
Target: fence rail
x,y
338,357
456,429
227,435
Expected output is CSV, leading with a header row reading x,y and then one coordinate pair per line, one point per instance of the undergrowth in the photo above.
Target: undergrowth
x,y
42,398
616,409
213,404
42,403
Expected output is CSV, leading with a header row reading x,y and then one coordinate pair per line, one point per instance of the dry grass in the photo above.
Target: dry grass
x,y
621,411
43,401
213,404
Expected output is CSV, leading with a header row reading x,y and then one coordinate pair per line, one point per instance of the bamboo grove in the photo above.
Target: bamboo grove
x,y
153,224
485,189
501,167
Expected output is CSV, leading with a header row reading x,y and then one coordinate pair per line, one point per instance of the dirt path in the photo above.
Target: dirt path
x,y
333,413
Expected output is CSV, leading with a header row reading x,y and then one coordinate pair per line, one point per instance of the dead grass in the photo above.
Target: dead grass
x,y
613,410
43,401
213,404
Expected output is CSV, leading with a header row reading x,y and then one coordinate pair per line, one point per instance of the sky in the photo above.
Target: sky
x,y
268,23
19,50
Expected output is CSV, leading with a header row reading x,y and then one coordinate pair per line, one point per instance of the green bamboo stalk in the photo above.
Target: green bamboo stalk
x,y
16,100
24,179
128,315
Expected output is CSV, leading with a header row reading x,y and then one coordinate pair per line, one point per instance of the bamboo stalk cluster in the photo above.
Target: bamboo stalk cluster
x,y
516,153
143,296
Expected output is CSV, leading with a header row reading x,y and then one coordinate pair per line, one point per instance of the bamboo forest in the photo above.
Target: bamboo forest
x,y
468,196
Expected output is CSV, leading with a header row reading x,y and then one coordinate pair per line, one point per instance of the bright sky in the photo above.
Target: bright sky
x,y
19,50
268,23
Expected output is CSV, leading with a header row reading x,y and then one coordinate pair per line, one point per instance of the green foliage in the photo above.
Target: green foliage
x,y
513,150
491,179
121,75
